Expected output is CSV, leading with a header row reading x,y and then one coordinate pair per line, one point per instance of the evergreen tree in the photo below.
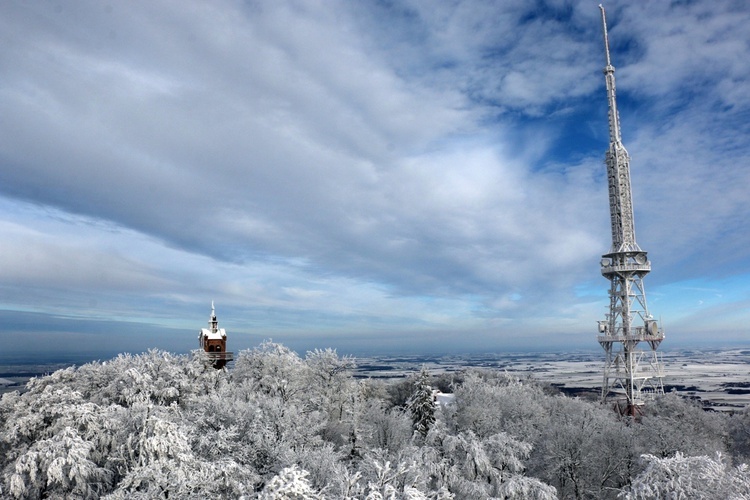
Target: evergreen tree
x,y
421,405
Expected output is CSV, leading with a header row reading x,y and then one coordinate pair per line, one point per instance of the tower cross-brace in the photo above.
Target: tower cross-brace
x,y
628,371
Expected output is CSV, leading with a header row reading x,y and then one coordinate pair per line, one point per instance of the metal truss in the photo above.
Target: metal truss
x,y
630,372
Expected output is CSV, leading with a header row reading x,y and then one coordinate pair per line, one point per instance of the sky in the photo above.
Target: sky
x,y
379,176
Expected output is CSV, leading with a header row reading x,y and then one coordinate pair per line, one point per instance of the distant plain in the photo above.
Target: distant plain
x,y
718,378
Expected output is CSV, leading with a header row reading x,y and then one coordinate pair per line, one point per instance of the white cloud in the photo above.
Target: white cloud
x,y
359,165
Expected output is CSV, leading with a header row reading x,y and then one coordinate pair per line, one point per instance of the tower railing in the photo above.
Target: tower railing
x,y
218,356
633,268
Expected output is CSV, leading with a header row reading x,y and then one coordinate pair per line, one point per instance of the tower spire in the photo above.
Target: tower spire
x,y
604,31
627,369
609,74
213,323
618,165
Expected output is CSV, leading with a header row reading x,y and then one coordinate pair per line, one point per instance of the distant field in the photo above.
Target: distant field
x,y
720,379
14,377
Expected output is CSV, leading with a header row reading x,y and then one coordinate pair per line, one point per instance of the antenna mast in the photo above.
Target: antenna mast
x,y
628,371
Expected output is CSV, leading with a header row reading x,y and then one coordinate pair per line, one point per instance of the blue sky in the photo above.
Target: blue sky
x,y
371,176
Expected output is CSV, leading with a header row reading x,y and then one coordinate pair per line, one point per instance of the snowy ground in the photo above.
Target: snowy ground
x,y
718,378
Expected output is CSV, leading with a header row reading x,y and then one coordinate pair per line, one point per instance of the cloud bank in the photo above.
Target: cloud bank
x,y
341,173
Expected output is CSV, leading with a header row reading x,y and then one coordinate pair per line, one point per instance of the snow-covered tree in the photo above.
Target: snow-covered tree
x,y
272,369
488,403
157,425
59,466
490,467
331,390
391,480
387,429
329,380
587,451
674,424
290,484
421,405
681,477
739,434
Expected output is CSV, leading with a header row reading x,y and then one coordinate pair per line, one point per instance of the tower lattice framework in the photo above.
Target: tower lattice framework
x,y
631,373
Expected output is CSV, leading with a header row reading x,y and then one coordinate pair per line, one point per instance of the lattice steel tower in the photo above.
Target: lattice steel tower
x,y
630,373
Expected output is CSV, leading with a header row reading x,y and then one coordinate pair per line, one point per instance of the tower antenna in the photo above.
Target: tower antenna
x,y
629,372
604,31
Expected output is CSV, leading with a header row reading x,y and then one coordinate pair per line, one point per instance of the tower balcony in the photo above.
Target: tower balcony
x,y
640,374
640,335
631,268
626,338
625,263
219,356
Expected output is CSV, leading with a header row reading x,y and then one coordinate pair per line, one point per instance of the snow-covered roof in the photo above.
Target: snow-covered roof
x,y
219,334
443,398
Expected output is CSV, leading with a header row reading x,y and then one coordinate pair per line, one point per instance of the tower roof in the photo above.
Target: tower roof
x,y
213,332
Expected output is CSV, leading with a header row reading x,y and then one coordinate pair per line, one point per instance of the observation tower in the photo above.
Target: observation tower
x,y
631,373
213,341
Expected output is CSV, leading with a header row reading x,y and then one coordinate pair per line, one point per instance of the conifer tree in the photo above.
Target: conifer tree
x,y
421,405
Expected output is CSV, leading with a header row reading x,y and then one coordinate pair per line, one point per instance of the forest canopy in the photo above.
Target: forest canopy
x,y
277,425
